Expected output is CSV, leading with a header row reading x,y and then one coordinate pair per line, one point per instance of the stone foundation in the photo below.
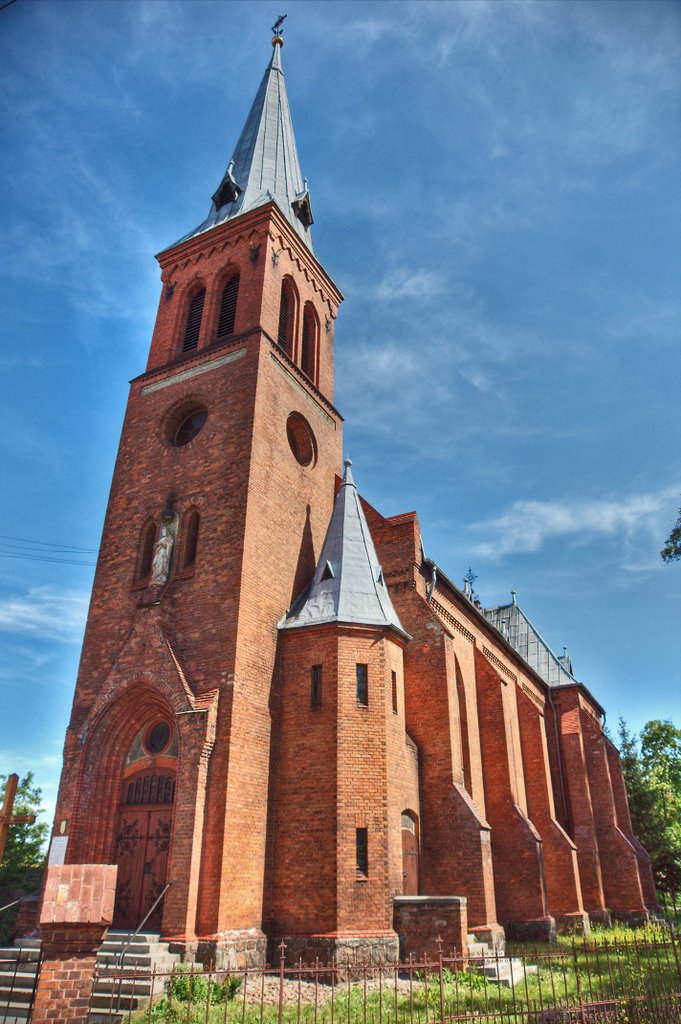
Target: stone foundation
x,y
600,917
421,920
572,924
493,935
541,929
344,949
228,951
634,918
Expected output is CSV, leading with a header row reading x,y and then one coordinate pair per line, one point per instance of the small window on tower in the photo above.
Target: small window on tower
x,y
193,328
362,684
191,539
146,551
362,851
316,686
394,685
228,307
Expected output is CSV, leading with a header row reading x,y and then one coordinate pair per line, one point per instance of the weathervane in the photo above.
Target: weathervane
x,y
277,27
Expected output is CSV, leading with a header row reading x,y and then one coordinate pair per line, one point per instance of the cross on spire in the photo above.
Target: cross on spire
x,y
6,816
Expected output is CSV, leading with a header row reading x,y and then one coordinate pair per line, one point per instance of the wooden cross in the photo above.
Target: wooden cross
x,y
6,816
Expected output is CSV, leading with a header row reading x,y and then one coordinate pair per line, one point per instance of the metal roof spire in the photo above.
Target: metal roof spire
x,y
264,166
348,584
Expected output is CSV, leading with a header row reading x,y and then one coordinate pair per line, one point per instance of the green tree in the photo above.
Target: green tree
x,y
24,858
651,764
671,551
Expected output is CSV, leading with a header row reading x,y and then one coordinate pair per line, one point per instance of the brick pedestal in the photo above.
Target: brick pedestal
x,y
420,920
77,910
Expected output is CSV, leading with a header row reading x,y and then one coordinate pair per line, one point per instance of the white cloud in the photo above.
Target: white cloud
x,y
408,283
47,612
527,525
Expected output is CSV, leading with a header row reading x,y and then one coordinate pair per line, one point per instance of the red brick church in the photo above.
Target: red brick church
x,y
283,707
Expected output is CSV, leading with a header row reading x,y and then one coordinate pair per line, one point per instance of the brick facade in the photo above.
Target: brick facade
x,y
256,803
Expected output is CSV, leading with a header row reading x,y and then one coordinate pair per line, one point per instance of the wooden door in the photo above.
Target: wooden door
x,y
141,850
410,857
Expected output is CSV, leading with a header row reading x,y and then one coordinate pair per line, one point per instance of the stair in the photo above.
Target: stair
x,y
506,971
112,999
18,969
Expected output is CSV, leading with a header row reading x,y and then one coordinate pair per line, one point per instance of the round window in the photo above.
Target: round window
x,y
189,427
301,439
158,738
184,422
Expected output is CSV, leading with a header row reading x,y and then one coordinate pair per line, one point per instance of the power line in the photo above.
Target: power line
x,y
48,543
7,4
44,558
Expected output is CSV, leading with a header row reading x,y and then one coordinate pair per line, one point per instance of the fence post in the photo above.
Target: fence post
x,y
438,942
578,981
282,950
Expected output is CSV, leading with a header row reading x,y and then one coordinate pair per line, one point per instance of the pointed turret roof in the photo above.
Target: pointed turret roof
x,y
348,584
264,166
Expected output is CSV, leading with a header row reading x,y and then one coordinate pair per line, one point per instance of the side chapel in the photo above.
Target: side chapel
x,y
284,708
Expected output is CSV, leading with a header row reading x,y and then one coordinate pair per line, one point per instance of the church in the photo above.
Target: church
x,y
288,723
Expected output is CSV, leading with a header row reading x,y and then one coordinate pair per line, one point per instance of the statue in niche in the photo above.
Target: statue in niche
x,y
163,549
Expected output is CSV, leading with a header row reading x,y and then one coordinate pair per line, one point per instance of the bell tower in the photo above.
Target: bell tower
x,y
222,492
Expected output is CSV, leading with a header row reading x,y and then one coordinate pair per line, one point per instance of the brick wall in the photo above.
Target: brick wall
x,y
421,920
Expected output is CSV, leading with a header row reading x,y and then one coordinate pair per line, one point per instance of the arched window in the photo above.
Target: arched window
x,y
227,316
146,555
308,350
287,315
191,539
194,314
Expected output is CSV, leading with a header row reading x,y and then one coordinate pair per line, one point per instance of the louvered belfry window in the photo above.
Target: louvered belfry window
x,y
228,307
306,360
191,334
282,336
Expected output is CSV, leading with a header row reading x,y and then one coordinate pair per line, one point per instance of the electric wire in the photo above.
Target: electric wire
x,y
43,550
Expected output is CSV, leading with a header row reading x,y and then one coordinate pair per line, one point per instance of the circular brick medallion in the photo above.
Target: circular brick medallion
x,y
301,439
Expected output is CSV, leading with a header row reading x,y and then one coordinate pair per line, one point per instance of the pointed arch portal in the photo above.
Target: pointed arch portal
x,y
410,854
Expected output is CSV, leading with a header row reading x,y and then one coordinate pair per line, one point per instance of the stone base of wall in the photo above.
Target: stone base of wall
x,y
601,917
421,920
228,951
573,924
635,918
344,949
541,929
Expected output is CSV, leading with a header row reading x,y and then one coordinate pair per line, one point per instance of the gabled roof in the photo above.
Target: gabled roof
x,y
348,584
515,627
264,166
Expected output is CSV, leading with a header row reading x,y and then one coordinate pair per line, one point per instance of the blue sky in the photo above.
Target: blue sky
x,y
497,193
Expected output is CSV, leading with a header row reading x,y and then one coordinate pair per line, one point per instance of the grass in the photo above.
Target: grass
x,y
619,963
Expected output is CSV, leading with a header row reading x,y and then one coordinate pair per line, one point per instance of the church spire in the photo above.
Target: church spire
x,y
348,584
264,166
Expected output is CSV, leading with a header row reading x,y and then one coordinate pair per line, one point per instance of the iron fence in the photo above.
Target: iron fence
x,y
636,981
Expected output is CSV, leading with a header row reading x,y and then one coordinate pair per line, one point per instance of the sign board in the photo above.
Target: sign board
x,y
57,854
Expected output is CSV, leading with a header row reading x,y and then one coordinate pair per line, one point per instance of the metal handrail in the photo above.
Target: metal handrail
x,y
21,899
142,923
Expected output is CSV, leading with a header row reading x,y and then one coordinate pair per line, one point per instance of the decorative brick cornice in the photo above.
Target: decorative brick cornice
x,y
449,618
498,663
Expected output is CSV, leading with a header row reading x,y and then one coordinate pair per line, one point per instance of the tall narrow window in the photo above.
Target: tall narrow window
x,y
147,551
362,851
394,682
309,342
287,316
227,316
362,685
191,539
191,334
316,686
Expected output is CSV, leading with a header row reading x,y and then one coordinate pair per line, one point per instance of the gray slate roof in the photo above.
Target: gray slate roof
x,y
515,627
348,584
265,164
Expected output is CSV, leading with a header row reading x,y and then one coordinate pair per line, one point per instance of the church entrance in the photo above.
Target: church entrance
x,y
410,855
144,827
